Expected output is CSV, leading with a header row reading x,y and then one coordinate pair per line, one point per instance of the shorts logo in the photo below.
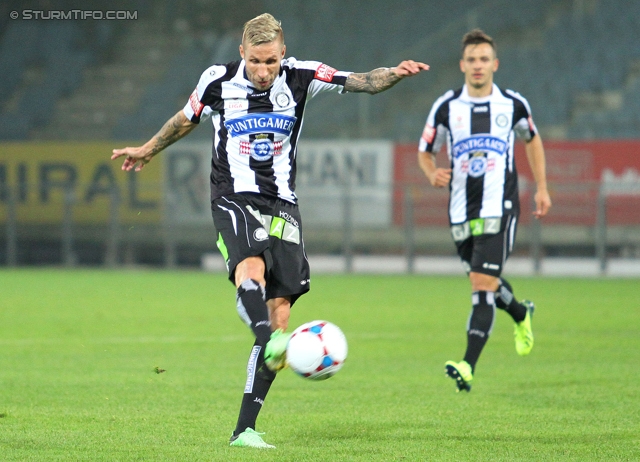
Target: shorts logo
x,y
284,230
282,99
261,149
260,234
325,73
196,105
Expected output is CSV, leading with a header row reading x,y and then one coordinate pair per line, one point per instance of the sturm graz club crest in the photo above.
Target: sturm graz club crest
x,y
260,234
282,99
502,120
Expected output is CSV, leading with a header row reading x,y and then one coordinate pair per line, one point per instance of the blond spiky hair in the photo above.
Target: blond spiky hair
x,y
262,29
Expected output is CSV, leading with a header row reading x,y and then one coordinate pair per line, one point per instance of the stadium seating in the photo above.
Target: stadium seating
x,y
557,54
40,62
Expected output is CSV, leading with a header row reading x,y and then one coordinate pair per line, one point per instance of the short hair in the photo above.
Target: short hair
x,y
262,29
476,37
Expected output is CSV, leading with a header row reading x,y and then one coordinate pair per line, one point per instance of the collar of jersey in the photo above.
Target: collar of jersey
x,y
484,99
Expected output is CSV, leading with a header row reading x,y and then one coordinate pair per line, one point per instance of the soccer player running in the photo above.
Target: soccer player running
x,y
478,123
257,105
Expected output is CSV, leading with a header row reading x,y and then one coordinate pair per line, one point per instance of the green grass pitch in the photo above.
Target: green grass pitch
x,y
79,352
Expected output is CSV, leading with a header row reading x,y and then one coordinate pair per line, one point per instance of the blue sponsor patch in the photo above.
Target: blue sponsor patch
x,y
260,123
262,150
477,143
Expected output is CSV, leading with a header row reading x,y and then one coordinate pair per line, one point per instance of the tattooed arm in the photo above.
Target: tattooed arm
x,y
383,78
175,128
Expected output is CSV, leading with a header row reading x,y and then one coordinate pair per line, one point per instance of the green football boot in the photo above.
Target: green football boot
x,y
460,372
523,332
250,439
275,353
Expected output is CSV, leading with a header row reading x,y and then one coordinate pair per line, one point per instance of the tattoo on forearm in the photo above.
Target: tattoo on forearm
x,y
372,82
175,128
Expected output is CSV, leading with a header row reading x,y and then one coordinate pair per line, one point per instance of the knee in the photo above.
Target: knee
x,y
250,268
483,282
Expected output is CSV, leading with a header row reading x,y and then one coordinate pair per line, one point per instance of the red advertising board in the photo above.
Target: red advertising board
x,y
575,172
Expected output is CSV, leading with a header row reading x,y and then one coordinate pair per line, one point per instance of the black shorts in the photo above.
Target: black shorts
x,y
249,225
484,244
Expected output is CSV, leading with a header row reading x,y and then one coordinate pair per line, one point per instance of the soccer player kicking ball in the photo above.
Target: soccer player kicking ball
x,y
257,105
478,122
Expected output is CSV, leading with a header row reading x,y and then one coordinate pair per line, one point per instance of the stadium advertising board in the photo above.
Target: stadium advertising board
x,y
330,172
326,170
42,176
613,165
576,170
187,168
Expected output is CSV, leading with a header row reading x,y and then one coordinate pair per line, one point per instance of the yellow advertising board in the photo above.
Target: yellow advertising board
x,y
40,176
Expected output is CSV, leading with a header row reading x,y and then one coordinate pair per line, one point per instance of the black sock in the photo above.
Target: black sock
x,y
253,310
259,380
505,300
479,325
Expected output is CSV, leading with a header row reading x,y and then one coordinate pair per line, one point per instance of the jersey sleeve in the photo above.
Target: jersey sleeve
x,y
198,106
318,76
523,125
437,126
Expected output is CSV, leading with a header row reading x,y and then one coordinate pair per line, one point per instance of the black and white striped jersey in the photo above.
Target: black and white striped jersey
x,y
256,133
479,133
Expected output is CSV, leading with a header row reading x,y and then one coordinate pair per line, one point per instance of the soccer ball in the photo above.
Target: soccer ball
x,y
317,350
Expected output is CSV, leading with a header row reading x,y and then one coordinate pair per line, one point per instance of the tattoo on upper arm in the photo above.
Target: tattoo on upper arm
x,y
371,82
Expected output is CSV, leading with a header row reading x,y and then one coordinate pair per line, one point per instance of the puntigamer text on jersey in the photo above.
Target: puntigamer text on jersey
x,y
259,123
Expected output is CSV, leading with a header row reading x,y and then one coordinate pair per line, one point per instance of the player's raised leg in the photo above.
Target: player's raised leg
x,y
253,310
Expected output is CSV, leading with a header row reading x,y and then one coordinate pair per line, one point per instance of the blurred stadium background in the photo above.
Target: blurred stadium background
x,y
73,89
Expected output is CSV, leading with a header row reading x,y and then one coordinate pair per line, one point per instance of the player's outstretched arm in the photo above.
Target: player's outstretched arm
x,y
383,78
175,128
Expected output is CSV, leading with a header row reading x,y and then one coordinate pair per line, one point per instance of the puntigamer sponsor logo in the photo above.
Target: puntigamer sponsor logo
x,y
479,143
260,123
